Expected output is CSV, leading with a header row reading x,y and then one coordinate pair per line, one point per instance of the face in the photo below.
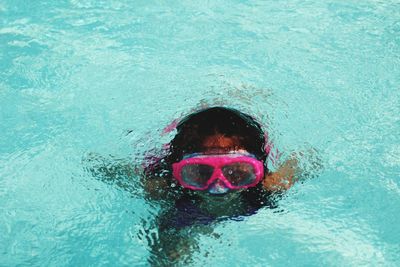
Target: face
x,y
220,143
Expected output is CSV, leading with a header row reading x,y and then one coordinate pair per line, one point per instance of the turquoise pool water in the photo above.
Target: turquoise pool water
x,y
83,78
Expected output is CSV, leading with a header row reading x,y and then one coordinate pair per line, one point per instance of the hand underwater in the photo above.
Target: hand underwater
x,y
283,178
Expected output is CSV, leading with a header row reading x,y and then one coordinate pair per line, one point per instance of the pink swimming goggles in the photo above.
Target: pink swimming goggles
x,y
235,170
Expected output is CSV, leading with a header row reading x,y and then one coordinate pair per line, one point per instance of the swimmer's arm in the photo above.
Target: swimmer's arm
x,y
122,173
109,169
299,166
284,177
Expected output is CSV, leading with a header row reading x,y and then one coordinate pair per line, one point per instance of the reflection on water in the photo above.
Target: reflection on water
x,y
83,80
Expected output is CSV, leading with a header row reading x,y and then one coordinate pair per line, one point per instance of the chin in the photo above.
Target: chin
x,y
226,195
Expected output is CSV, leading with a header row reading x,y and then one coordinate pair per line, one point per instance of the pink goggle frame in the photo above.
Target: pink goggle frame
x,y
198,171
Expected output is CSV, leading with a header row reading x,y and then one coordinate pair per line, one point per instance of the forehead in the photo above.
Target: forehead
x,y
222,143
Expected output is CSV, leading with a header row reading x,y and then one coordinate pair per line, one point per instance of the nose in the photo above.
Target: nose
x,y
218,187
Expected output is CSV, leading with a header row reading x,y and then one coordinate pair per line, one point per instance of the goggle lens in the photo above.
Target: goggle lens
x,y
197,174
239,174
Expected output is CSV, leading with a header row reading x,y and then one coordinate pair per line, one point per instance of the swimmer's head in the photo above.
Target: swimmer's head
x,y
218,127
218,130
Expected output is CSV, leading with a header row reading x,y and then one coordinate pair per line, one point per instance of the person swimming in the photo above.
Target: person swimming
x,y
218,150
214,169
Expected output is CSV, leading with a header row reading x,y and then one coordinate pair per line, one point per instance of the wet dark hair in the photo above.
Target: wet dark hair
x,y
194,128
